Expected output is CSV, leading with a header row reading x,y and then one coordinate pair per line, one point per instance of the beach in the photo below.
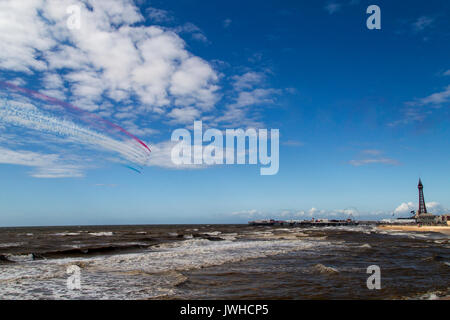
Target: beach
x,y
415,228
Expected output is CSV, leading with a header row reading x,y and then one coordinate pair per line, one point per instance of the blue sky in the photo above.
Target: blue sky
x,y
362,113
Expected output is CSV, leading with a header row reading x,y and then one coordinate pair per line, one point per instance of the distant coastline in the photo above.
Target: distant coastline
x,y
440,229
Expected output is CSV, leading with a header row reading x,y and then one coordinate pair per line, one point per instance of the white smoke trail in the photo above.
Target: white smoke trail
x,y
28,116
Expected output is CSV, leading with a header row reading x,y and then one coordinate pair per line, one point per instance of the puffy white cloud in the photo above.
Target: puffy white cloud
x,y
436,208
118,66
184,115
405,208
302,214
111,54
433,207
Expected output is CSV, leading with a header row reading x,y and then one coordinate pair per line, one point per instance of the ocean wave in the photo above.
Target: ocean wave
x,y
10,244
101,234
160,268
64,234
320,268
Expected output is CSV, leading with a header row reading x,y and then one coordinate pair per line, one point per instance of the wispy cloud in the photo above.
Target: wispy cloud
x,y
372,156
362,162
45,165
435,99
226,23
293,143
372,152
422,23
159,15
28,116
333,7
419,109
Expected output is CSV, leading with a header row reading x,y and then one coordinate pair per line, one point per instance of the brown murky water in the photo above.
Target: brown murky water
x,y
221,262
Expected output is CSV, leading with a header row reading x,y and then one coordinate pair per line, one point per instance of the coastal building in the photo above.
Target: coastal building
x,y
422,216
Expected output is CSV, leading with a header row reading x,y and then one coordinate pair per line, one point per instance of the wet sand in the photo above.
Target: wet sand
x,y
441,229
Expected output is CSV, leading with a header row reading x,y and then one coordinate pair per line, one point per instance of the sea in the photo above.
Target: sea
x,y
222,262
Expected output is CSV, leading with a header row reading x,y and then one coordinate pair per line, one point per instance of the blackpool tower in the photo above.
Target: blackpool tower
x,y
422,207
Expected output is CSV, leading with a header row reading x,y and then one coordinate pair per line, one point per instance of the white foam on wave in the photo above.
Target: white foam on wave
x,y
19,258
63,234
213,233
10,244
101,234
122,276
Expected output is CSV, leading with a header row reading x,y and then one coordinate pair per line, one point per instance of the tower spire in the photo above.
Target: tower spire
x,y
422,207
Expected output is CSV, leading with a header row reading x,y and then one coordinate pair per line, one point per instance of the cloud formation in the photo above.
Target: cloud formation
x,y
419,109
112,55
117,66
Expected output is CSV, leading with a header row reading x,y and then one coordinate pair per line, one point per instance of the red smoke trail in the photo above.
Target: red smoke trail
x,y
66,105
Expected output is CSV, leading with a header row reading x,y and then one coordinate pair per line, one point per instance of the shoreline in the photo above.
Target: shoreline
x,y
440,229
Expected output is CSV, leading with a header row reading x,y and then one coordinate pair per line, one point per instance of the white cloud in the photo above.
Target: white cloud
x,y
304,214
162,157
436,208
372,152
372,156
109,55
158,15
116,66
437,98
46,165
405,208
250,93
227,23
195,32
28,116
252,213
422,23
184,115
256,96
248,80
419,109
333,7
293,143
362,162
